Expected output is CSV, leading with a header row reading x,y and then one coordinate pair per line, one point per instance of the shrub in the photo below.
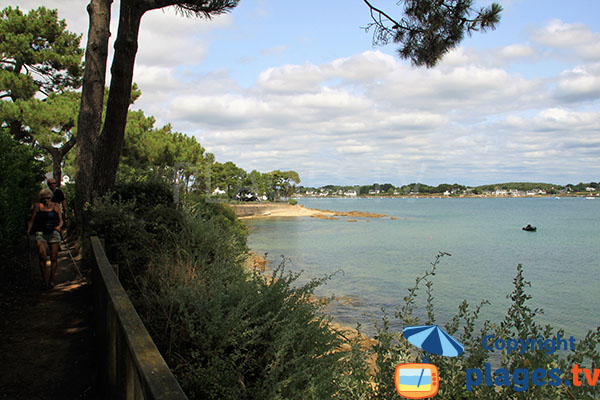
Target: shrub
x,y
227,332
19,184
293,202
147,191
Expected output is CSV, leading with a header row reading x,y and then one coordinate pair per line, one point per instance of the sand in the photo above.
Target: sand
x,y
268,210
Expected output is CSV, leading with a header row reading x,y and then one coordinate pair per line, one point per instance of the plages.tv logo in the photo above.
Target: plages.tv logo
x,y
421,380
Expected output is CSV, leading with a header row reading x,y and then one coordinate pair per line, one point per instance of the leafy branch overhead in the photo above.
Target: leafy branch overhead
x,y
37,53
430,28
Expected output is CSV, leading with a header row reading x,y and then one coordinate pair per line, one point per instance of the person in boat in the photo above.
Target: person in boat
x,y
47,222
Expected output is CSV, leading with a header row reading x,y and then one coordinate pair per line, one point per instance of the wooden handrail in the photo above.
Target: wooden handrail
x,y
131,366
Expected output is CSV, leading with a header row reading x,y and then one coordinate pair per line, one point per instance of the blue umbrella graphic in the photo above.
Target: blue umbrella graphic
x,y
432,339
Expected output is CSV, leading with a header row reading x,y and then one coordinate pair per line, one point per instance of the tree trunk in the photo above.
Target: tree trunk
x,y
92,101
56,164
58,154
108,149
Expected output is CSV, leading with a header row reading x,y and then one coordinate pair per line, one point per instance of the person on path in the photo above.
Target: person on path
x,y
57,195
47,222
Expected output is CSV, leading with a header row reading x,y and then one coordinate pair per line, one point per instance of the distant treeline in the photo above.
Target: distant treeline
x,y
455,188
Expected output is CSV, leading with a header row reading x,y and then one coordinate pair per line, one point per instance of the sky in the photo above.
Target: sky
x,y
298,85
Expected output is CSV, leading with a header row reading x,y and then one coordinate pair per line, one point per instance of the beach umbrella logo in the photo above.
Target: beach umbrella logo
x,y
421,380
433,339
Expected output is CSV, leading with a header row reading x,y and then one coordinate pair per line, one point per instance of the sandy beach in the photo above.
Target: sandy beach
x,y
268,210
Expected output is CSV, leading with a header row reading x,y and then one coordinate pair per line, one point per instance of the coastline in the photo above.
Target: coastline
x,y
261,265
271,209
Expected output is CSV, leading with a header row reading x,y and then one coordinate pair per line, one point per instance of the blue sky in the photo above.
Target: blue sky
x,y
298,85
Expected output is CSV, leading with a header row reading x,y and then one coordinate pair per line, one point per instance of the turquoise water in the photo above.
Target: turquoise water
x,y
380,258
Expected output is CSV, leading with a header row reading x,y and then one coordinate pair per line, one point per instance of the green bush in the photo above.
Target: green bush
x,y
227,332
146,191
293,202
19,185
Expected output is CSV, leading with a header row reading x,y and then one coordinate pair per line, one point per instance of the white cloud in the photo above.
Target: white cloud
x,y
291,79
559,118
578,38
391,117
579,84
518,51
169,38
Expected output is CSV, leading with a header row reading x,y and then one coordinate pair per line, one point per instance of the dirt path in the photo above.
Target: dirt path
x,y
46,338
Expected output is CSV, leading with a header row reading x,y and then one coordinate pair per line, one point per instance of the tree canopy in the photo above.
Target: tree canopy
x,y
428,29
37,54
41,64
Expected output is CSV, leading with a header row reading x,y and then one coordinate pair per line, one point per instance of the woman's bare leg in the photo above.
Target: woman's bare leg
x,y
42,255
53,262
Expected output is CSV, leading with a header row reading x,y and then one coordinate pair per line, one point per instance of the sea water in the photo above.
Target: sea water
x,y
377,260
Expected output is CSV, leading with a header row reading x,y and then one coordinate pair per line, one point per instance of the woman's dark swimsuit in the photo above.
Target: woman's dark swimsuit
x,y
46,221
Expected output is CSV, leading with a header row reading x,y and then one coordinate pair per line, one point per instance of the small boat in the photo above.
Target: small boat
x,y
529,228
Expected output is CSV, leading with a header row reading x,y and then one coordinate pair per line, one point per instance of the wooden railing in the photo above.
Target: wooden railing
x,y
130,366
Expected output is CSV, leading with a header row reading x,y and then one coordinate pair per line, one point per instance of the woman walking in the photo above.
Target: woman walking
x,y
47,222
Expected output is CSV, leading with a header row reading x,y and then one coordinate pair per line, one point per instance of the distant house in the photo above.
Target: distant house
x,y
63,180
351,193
590,189
516,192
218,191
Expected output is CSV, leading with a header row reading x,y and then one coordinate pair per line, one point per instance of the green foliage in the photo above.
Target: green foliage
x,y
19,184
581,186
38,43
40,64
215,321
147,147
293,202
428,29
522,186
228,177
146,191
134,220
223,325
